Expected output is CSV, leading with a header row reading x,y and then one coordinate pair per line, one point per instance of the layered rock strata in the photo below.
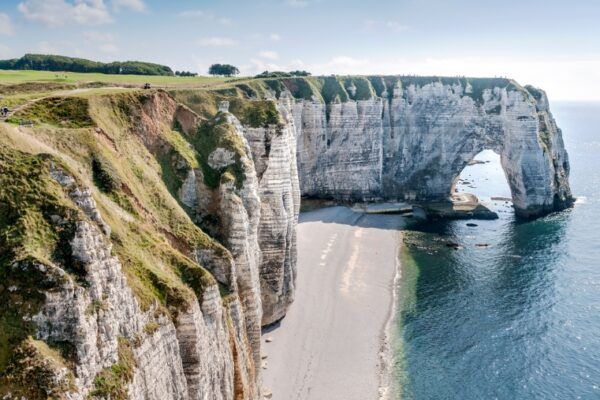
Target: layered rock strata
x,y
412,142
89,318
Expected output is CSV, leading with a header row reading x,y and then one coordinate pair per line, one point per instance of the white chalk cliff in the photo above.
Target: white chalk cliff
x,y
179,315
413,141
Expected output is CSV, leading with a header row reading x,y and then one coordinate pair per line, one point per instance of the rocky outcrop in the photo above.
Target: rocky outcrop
x,y
221,195
274,154
412,140
265,155
189,357
154,327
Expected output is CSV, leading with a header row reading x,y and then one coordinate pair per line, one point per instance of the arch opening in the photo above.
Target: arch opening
x,y
484,181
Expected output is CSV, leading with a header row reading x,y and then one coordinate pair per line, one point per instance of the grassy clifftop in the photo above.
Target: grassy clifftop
x,y
332,89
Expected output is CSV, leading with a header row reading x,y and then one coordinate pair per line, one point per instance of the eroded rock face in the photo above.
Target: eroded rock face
x,y
413,145
199,355
274,154
258,219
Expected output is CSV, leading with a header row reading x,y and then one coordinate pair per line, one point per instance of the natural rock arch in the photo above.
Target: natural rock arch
x,y
439,132
414,143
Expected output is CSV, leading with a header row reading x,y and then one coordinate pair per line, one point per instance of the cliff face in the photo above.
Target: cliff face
x,y
132,300
145,238
274,153
412,139
270,194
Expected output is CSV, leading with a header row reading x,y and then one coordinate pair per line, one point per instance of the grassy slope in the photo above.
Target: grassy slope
x,y
12,77
325,89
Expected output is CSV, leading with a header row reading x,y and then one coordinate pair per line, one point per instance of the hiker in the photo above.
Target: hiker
x,y
4,111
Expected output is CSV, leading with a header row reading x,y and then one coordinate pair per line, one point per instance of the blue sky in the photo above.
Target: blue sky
x,y
552,44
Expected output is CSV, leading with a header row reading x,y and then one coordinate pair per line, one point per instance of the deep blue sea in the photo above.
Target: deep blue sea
x,y
520,318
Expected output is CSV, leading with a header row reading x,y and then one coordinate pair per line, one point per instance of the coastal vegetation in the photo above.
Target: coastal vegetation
x,y
223,70
281,74
46,62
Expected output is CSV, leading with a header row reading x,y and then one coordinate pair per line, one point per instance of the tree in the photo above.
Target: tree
x,y
185,73
43,62
223,69
281,74
300,73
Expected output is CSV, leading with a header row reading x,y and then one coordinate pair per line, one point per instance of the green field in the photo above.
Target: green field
x,y
15,77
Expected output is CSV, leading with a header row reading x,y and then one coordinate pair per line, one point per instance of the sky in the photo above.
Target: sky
x,y
551,44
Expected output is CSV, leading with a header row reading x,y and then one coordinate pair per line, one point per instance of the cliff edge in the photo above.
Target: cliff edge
x,y
147,236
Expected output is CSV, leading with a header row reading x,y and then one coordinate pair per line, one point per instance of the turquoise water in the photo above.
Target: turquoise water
x,y
520,318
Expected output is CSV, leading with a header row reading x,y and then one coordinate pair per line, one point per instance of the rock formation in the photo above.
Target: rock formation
x,y
141,319
411,143
146,238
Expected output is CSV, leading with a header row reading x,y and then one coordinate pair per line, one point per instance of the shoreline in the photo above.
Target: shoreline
x,y
336,341
387,356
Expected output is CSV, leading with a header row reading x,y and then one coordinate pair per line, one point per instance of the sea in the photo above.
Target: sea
x,y
514,311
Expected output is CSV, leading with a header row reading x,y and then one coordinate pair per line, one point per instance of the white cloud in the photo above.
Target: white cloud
x,y
6,27
275,37
258,66
55,13
103,41
369,23
134,5
217,42
394,26
193,14
342,65
201,14
269,54
45,47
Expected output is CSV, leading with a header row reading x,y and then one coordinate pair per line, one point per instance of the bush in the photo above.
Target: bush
x,y
281,74
185,73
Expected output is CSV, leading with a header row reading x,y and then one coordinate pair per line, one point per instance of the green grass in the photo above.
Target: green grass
x,y
31,204
213,134
12,77
67,112
364,89
302,88
112,382
31,373
378,84
176,160
332,90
